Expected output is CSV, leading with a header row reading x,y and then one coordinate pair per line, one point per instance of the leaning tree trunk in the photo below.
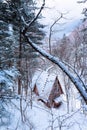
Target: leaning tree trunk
x,y
75,80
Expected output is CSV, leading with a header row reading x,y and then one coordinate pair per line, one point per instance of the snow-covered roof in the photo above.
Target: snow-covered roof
x,y
44,83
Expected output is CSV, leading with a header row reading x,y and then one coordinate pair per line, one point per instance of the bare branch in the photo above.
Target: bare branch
x,y
51,28
61,16
28,25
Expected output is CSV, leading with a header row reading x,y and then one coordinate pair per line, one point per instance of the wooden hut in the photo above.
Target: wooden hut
x,y
48,89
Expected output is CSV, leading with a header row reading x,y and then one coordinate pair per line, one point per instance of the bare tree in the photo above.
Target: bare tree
x,y
51,30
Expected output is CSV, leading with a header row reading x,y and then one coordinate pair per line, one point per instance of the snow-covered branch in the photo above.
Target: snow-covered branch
x,y
71,67
76,81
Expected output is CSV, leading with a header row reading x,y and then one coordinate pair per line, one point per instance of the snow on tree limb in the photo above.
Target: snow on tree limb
x,y
76,81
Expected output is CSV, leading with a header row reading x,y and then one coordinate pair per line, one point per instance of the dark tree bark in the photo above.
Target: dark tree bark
x,y
19,63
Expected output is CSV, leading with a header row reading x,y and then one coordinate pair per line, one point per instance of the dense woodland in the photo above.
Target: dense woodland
x,y
22,40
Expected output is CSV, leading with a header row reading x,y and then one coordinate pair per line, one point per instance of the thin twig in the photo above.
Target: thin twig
x,y
36,17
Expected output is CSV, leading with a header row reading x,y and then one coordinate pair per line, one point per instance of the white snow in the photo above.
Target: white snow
x,y
42,118
5,79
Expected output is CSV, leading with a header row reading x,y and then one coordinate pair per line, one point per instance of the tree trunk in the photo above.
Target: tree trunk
x,y
19,64
77,82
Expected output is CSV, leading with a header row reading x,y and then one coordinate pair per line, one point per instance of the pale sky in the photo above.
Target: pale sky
x,y
70,7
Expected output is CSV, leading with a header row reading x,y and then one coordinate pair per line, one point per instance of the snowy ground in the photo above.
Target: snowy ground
x,y
20,116
42,118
